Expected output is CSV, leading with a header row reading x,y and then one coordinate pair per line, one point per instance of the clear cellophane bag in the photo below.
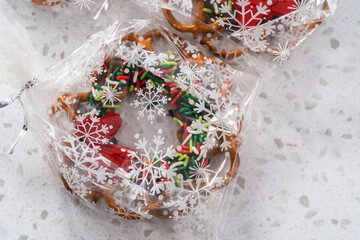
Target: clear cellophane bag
x,y
144,125
268,29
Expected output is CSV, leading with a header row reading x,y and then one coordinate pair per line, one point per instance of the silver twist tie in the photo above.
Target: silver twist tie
x,y
11,100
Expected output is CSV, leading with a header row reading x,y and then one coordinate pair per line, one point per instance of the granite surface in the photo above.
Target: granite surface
x,y
300,171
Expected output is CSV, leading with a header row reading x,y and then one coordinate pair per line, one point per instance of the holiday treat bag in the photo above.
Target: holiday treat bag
x,y
144,125
269,29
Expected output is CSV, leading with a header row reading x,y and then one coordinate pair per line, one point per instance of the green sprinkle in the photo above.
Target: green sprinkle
x,y
184,109
152,82
110,106
182,157
131,89
186,174
98,87
186,162
178,121
186,105
168,64
143,75
190,113
102,113
99,96
192,162
195,140
91,101
164,90
177,180
224,18
170,52
193,98
207,10
154,78
178,154
190,145
170,77
230,5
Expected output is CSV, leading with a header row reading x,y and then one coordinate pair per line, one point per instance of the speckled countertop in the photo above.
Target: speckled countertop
x,y
300,173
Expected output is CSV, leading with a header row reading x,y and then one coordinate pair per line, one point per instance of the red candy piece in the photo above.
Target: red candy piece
x,y
114,123
117,154
269,9
282,7
94,133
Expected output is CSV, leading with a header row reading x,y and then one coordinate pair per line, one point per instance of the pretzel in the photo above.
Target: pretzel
x,y
183,115
47,2
210,30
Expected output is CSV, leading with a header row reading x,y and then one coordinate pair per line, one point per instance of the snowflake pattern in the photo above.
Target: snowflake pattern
x,y
91,131
76,182
85,159
255,27
150,102
222,119
150,166
211,95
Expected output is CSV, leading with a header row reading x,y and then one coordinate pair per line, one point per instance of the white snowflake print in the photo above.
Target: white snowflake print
x,y
64,100
222,117
201,170
150,102
191,203
76,182
190,48
91,131
128,208
89,162
110,95
188,79
282,53
215,75
83,3
150,167
134,54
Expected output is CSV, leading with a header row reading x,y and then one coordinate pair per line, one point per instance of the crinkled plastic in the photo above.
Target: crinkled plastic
x,y
143,124
269,29
16,51
95,12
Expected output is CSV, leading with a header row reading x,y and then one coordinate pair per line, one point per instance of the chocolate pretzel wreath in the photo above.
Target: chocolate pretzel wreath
x,y
239,16
153,181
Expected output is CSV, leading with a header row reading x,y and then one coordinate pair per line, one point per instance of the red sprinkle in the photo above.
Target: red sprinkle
x,y
143,82
185,130
176,98
174,91
185,147
138,84
184,151
171,85
198,146
106,68
167,71
122,78
141,71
